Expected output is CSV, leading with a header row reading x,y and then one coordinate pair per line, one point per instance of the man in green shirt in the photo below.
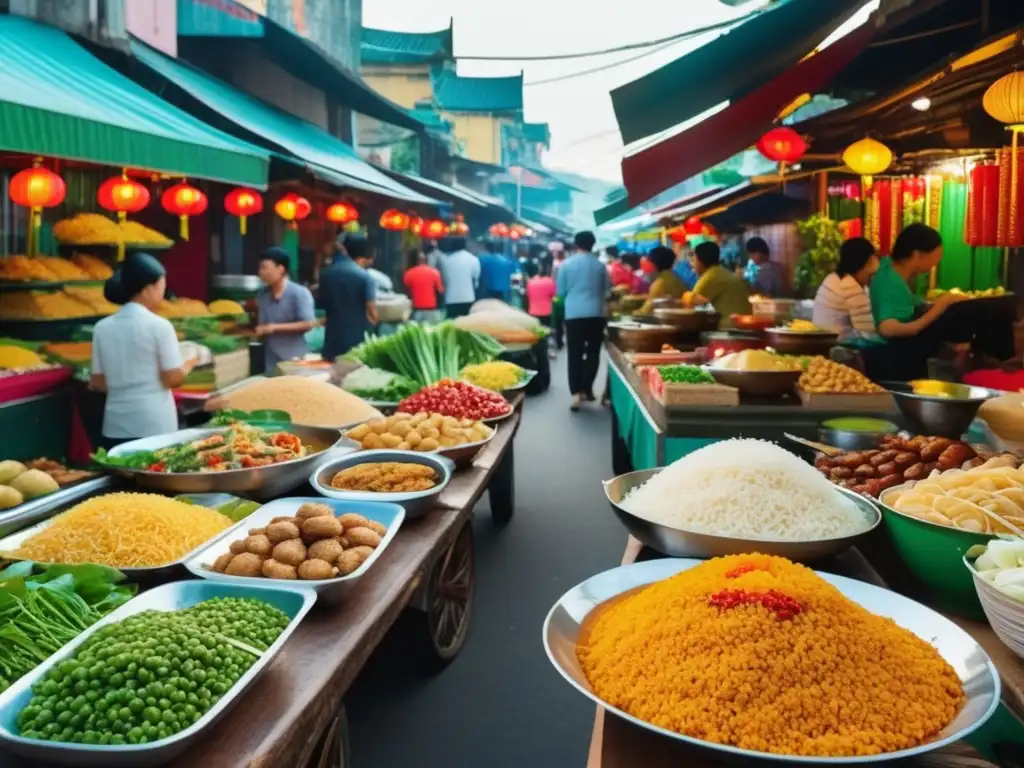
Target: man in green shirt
x,y
717,286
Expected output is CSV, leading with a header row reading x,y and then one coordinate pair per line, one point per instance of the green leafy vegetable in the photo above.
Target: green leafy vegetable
x,y
266,416
685,374
133,460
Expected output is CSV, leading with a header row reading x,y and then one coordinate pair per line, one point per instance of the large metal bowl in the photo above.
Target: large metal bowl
x,y
943,416
977,673
638,337
676,542
757,383
260,483
416,504
689,321
800,342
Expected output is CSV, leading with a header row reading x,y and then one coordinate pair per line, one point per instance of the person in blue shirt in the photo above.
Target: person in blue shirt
x,y
583,284
685,272
495,272
348,296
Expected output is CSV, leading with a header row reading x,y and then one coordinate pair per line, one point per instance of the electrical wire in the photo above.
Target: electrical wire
x,y
621,48
602,68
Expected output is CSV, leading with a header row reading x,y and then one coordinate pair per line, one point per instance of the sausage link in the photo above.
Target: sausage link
x,y
840,473
954,456
889,481
934,448
915,472
865,471
889,468
853,460
906,459
882,457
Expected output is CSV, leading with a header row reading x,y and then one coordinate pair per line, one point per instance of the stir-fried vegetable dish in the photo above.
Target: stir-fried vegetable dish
x,y
241,446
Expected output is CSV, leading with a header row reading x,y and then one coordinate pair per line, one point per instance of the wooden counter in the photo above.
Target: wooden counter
x,y
286,718
616,743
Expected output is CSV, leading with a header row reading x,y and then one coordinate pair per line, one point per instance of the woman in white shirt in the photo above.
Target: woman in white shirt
x,y
136,359
842,304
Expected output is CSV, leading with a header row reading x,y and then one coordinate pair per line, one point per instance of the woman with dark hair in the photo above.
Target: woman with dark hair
x,y
666,284
136,359
915,332
842,304
717,286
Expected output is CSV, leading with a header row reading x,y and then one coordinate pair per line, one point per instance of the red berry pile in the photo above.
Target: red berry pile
x,y
783,606
456,399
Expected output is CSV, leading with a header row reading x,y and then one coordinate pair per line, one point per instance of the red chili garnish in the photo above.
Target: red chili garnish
x,y
739,570
213,460
157,467
783,606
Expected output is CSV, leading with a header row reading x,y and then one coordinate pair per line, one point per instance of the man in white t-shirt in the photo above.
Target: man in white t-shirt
x,y
460,270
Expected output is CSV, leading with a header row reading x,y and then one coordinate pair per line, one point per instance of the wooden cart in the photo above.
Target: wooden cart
x,y
294,715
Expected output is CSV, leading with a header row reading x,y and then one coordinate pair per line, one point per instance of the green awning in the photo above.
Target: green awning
x,y
326,156
58,100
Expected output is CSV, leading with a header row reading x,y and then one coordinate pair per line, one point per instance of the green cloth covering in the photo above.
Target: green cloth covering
x,y
58,100
955,267
42,424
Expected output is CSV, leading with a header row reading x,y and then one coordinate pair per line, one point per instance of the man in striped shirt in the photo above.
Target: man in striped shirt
x,y
842,303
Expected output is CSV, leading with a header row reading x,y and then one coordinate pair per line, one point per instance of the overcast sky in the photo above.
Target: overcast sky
x,y
584,134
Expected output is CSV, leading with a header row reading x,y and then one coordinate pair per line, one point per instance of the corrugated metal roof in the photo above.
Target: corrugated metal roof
x,y
478,94
385,46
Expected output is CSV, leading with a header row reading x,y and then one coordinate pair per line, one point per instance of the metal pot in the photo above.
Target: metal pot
x,y
689,321
634,337
726,342
800,343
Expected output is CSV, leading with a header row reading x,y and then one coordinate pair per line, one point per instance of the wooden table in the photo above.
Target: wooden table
x,y
293,715
616,743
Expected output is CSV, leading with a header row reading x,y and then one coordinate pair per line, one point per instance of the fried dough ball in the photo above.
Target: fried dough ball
x,y
259,544
272,569
309,510
363,551
281,519
352,520
325,549
222,562
238,547
324,527
429,443
363,537
282,531
349,562
316,570
257,531
379,528
291,552
358,433
343,541
373,441
245,564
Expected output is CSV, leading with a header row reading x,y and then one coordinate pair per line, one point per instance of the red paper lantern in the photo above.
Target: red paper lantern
x,y
37,188
394,220
459,227
243,202
517,231
342,213
122,196
433,229
292,208
693,226
183,201
499,230
782,145
678,236
416,225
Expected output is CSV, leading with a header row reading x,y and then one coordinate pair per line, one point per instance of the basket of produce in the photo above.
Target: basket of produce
x,y
830,385
688,385
800,337
758,373
935,407
998,572
377,387
459,400
144,535
241,458
934,522
411,479
325,544
740,496
460,440
308,401
631,336
681,647
40,619
234,634
498,376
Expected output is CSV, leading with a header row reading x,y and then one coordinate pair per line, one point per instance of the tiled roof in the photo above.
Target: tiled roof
x,y
384,46
538,133
477,94
431,119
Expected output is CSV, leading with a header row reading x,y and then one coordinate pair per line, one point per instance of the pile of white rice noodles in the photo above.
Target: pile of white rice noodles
x,y
746,489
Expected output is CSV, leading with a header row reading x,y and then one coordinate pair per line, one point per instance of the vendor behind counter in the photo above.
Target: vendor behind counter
x,y
726,291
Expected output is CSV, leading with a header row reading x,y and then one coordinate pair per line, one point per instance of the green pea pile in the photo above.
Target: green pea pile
x,y
152,675
685,374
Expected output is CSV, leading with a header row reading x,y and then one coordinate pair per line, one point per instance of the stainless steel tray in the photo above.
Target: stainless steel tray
x,y
979,676
292,601
415,504
331,590
32,512
677,542
147,575
259,482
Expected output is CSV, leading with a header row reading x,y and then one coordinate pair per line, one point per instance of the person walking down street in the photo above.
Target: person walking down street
x,y
425,287
583,283
348,295
557,249
495,272
286,312
460,271
540,296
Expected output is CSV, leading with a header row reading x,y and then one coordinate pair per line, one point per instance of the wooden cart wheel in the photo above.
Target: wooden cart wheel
x,y
440,631
332,750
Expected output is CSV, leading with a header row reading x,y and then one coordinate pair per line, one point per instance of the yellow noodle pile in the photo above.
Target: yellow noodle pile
x,y
124,530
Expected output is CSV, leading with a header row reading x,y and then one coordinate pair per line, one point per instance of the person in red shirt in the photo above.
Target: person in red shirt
x,y
424,285
618,272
